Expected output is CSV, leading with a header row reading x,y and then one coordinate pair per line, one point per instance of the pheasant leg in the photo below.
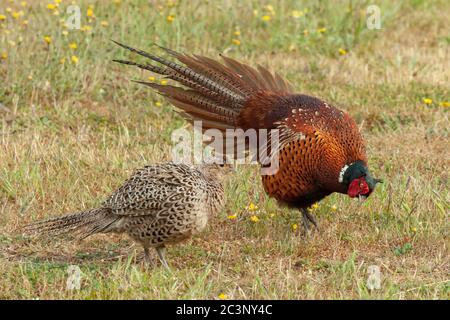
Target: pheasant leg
x,y
308,220
147,258
161,253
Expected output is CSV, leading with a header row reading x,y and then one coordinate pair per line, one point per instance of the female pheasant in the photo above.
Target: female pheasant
x,y
321,150
158,205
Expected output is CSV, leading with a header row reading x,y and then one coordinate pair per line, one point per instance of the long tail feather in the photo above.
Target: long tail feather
x,y
193,102
83,223
191,74
148,67
214,71
222,95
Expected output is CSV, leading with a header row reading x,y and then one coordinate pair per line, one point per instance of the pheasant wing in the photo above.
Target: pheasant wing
x,y
154,189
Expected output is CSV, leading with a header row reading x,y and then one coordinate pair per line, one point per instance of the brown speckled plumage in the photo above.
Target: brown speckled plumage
x,y
158,205
321,149
311,163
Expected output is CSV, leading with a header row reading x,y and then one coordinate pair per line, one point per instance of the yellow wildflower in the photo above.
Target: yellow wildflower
x,y
266,18
62,61
86,28
236,42
255,12
292,47
25,22
232,217
294,227
237,33
2,17
315,206
74,59
254,219
222,296
15,15
158,104
333,208
271,215
297,14
58,1
30,77
427,101
90,12
4,56
65,33
9,10
342,52
170,18
444,104
321,30
151,78
23,3
252,207
73,46
414,229
48,39
163,82
51,6
104,23
269,8
117,2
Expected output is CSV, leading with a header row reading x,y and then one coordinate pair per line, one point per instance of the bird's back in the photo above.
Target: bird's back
x,y
163,204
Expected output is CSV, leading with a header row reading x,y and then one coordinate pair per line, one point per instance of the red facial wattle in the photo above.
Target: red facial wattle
x,y
358,187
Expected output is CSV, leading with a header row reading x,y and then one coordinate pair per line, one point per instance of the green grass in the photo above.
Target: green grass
x,y
71,133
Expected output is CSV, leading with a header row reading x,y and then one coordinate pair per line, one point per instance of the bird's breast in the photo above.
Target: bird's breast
x,y
295,180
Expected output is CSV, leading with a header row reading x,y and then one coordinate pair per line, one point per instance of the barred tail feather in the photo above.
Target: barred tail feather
x,y
222,89
82,224
221,95
196,77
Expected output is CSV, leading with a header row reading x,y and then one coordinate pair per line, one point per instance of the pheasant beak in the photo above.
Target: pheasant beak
x,y
372,182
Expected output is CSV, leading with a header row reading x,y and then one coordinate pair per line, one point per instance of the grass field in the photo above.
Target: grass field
x,y
73,127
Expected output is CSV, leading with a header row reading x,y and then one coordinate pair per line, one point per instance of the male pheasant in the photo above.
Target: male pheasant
x,y
321,150
158,205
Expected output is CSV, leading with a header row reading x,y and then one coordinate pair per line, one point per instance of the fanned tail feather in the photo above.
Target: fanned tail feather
x,y
216,93
221,96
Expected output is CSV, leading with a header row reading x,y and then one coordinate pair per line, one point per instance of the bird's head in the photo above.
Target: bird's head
x,y
358,180
217,171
